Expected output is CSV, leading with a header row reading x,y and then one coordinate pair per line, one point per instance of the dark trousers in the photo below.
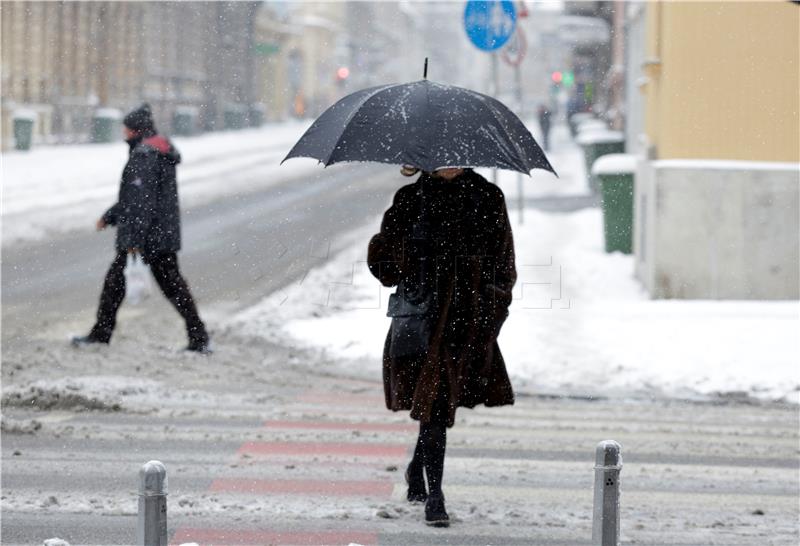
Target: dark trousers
x,y
165,270
432,443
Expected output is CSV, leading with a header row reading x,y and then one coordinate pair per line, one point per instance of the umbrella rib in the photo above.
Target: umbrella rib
x,y
351,116
486,102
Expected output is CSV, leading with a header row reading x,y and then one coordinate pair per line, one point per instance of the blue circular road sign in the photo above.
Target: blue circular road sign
x,y
489,24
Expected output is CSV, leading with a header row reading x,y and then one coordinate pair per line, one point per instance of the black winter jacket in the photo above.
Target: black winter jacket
x,y
146,214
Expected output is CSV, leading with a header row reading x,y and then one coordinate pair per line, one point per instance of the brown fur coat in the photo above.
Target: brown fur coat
x,y
471,243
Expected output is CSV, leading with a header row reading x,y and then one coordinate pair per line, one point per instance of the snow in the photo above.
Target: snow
x,y
102,393
614,164
51,190
599,136
55,542
592,125
581,117
108,113
23,114
722,164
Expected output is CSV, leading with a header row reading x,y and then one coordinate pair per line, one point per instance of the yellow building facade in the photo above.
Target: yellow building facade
x,y
723,80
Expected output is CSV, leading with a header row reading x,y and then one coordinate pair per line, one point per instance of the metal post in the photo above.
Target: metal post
x,y
494,93
520,110
608,463
151,527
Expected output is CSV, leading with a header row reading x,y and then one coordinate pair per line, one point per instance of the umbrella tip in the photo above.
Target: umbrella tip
x,y
425,70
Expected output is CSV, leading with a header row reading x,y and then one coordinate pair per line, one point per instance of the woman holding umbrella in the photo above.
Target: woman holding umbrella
x,y
446,240
446,244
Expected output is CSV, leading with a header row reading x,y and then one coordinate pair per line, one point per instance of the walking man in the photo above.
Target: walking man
x,y
147,219
544,125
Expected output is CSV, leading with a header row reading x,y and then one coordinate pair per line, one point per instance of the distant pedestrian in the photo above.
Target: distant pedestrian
x,y
446,243
147,218
544,124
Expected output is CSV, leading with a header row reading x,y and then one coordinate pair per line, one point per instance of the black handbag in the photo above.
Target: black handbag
x,y
411,311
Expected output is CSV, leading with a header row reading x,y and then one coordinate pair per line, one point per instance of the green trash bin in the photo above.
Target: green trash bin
x,y
256,115
184,121
615,175
597,143
576,119
235,116
23,129
105,125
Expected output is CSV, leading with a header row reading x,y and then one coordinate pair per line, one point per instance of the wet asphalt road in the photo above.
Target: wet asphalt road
x,y
238,248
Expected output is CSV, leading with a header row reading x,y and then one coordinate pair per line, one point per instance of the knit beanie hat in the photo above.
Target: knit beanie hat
x,y
140,120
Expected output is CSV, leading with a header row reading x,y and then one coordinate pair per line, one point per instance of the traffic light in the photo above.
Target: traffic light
x,y
342,73
566,78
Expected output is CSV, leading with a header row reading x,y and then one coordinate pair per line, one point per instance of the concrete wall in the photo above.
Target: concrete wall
x,y
718,230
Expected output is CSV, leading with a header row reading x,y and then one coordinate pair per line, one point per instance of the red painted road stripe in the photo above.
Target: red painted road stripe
x,y
323,448
340,425
317,488
262,538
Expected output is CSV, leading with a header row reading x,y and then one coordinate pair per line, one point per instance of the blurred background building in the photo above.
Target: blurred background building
x,y
64,61
207,66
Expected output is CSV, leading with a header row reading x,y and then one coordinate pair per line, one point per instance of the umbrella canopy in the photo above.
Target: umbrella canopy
x,y
425,124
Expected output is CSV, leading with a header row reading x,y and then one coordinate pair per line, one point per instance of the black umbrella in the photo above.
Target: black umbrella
x,y
424,124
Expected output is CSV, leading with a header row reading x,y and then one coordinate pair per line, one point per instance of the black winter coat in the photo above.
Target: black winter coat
x,y
146,214
471,242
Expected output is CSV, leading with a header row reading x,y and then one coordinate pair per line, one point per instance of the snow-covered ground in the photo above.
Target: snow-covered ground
x,y
54,189
580,322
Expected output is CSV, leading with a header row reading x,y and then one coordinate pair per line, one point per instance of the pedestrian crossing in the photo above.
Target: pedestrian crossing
x,y
315,468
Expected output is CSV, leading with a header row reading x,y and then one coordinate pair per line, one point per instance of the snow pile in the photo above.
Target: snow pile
x,y
55,542
100,393
25,115
108,113
614,164
580,324
599,136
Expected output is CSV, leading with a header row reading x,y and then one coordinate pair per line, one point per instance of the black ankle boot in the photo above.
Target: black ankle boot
x,y
435,513
416,486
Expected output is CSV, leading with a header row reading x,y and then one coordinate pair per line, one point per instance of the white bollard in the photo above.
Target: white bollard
x,y
151,527
608,463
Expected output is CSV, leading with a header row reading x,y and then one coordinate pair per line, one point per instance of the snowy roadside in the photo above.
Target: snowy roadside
x,y
580,323
56,189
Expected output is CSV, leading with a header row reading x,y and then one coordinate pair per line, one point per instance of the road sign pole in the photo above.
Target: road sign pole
x,y
520,188
495,90
489,25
